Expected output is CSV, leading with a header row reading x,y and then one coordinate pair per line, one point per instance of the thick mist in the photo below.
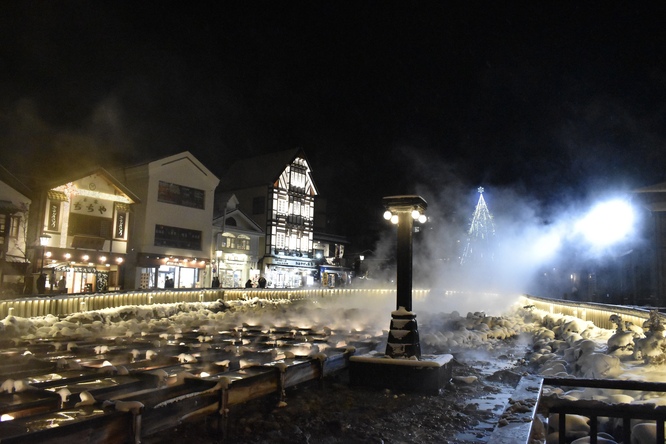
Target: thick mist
x,y
532,238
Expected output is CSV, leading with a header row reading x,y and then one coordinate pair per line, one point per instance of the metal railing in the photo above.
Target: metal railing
x,y
594,409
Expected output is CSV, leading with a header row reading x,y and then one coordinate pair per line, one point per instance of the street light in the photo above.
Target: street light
x,y
403,340
403,367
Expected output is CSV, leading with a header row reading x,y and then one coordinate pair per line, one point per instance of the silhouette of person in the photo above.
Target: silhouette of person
x,y
62,285
41,283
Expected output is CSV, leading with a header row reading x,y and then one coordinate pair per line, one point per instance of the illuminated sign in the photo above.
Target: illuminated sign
x,y
290,262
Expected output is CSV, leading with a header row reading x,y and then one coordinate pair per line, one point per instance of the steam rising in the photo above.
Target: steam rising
x,y
531,237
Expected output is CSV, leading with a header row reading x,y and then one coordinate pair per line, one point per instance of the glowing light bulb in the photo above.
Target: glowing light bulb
x,y
394,219
415,214
423,219
387,215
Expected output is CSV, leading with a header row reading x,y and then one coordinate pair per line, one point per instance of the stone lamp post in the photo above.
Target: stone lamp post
x,y
403,340
402,366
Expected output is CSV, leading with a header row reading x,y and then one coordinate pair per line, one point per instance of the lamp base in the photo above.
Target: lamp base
x,y
428,374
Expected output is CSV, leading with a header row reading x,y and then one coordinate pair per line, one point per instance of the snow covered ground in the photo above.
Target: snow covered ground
x,y
557,345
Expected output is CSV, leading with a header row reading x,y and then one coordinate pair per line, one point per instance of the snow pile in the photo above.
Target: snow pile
x,y
569,347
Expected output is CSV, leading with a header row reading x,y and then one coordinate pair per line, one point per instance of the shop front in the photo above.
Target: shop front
x,y
235,269
171,272
289,273
72,277
332,276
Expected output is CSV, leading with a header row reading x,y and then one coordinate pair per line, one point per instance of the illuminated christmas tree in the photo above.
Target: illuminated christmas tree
x,y
480,244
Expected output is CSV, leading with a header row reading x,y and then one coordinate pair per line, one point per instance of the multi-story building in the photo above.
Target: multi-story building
x,y
14,207
236,237
171,239
78,232
277,191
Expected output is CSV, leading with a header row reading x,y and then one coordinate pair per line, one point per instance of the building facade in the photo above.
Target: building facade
x,y
14,210
277,191
79,230
172,226
236,240
645,269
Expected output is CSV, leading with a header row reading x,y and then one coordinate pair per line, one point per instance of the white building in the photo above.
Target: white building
x,y
277,191
172,227
237,239
14,207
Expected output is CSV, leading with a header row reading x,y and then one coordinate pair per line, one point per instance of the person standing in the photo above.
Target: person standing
x,y
62,285
41,283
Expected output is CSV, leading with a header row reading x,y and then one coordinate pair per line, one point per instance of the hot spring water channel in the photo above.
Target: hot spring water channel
x,y
120,374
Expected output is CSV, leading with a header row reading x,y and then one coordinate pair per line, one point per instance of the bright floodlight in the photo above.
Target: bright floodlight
x,y
416,214
607,223
387,215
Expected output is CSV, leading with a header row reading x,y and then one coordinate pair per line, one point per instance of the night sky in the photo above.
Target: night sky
x,y
553,100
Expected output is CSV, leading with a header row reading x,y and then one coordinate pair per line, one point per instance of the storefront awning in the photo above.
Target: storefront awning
x,y
7,207
14,265
57,196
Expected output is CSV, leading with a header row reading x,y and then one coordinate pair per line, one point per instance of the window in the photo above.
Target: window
x,y
258,205
3,224
84,225
228,241
305,244
279,241
282,206
14,228
181,195
243,243
297,179
166,236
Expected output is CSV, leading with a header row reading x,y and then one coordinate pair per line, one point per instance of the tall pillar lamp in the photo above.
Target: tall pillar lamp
x,y
403,339
402,366
218,255
43,241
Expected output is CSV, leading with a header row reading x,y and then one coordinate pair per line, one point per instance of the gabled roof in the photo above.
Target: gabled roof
x,y
259,171
252,226
188,157
99,171
7,177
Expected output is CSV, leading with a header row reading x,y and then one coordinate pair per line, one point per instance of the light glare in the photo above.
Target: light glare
x,y
607,222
